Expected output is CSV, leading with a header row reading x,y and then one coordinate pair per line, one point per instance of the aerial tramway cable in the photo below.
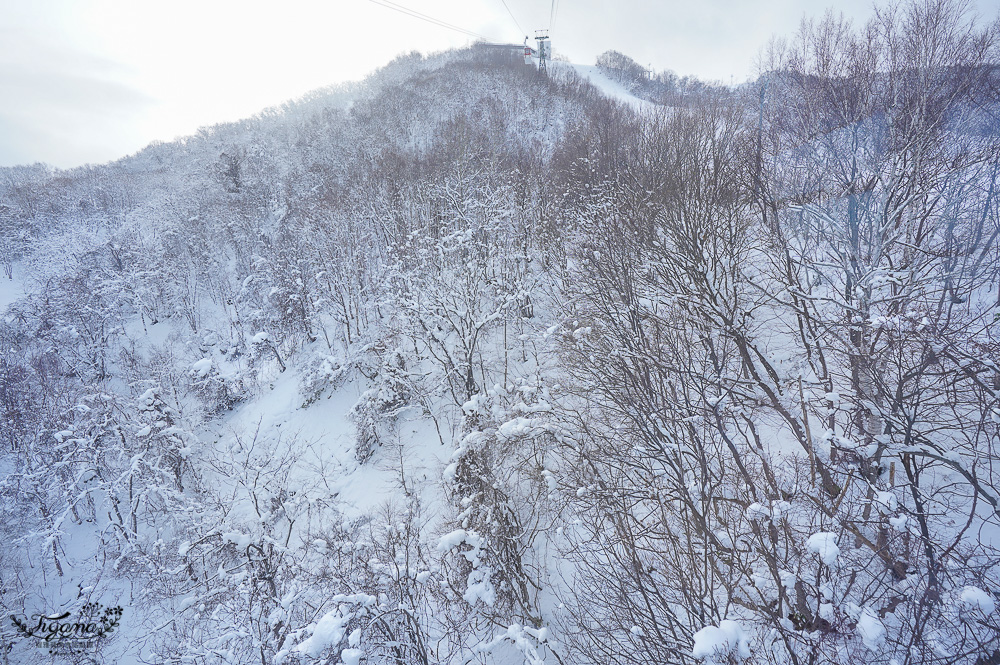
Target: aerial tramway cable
x,y
388,4
512,17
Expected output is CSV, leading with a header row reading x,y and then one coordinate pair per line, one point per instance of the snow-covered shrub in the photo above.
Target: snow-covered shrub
x,y
218,390
165,442
497,483
376,410
724,643
320,374
380,595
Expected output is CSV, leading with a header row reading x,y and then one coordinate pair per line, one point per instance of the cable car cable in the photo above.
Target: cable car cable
x,y
512,17
388,4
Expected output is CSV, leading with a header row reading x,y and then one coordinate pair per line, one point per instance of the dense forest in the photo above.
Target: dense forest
x,y
466,363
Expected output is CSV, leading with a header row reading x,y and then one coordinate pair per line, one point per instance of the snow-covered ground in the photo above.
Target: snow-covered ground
x,y
11,289
323,433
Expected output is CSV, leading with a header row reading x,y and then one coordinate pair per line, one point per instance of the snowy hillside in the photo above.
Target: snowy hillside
x,y
469,364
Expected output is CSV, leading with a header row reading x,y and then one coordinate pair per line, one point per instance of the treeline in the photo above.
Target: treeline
x,y
664,87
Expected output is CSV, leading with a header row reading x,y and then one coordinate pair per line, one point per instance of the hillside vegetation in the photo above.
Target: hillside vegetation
x,y
467,364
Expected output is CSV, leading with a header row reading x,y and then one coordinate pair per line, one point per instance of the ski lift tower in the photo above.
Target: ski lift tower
x,y
544,49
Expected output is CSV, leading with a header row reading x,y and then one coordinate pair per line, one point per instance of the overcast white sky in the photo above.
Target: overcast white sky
x,y
93,80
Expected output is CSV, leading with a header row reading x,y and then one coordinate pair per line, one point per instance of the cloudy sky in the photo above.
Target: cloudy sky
x,y
93,80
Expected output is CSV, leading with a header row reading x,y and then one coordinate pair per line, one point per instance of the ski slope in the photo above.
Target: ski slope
x,y
611,88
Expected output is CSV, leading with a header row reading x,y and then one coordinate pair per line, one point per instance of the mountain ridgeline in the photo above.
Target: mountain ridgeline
x,y
469,364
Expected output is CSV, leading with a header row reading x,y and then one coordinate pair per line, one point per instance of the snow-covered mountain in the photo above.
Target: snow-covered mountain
x,y
465,363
